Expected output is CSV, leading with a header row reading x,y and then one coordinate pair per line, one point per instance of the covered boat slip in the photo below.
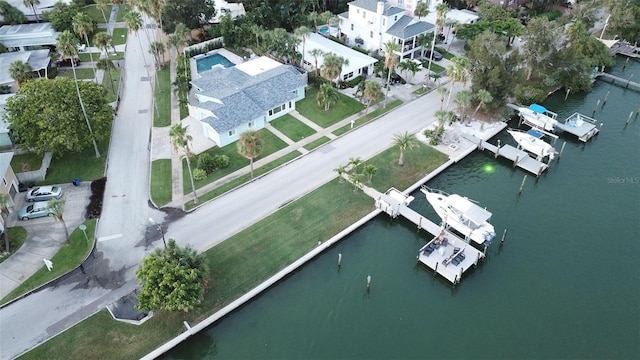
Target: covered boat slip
x,y
471,214
450,258
579,125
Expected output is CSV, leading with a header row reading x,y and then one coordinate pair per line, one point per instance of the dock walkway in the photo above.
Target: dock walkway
x,y
451,257
520,158
626,49
614,78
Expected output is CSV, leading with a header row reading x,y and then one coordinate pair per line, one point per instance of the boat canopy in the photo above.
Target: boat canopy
x,y
537,108
535,133
469,210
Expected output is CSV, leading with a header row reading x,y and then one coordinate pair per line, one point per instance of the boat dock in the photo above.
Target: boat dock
x,y
626,49
520,158
579,125
625,82
446,254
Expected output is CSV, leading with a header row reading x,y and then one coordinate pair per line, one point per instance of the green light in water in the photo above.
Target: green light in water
x,y
488,168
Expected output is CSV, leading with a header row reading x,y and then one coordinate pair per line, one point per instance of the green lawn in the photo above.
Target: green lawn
x,y
84,166
293,128
26,162
83,73
96,14
122,11
111,82
445,53
270,144
17,235
314,144
161,181
372,115
85,57
437,69
242,179
344,108
163,99
70,255
281,238
119,36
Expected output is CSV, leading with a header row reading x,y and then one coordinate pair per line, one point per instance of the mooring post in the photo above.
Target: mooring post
x,y
477,259
637,112
516,161
484,252
522,184
625,64
629,81
628,119
504,235
600,126
606,97
497,150
420,223
368,281
339,259
566,95
561,150
596,108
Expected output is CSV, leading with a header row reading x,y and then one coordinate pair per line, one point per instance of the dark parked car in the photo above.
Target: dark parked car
x,y
67,62
436,55
397,79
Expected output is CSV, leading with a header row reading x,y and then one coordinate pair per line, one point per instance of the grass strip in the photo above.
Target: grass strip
x,y
122,11
370,116
111,83
81,74
119,36
163,99
96,14
314,144
17,235
293,128
70,255
26,162
161,189
344,108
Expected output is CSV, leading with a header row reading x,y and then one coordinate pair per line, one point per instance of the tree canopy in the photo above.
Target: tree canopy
x,y
46,115
186,12
171,279
61,16
11,15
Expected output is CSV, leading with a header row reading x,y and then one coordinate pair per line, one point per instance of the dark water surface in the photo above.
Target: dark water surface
x,y
565,284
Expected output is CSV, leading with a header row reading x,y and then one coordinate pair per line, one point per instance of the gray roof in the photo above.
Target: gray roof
x,y
5,161
244,97
38,59
407,27
372,5
28,35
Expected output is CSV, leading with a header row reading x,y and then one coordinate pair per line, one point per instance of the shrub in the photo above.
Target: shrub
x,y
339,41
94,208
199,174
354,82
529,94
206,163
221,161
359,49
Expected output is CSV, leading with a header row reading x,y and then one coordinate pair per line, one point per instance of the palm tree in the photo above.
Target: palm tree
x,y
355,162
332,66
183,32
425,41
315,53
20,72
257,31
174,41
341,170
372,92
302,31
327,96
443,91
57,206
134,24
66,44
103,5
421,10
106,64
103,40
32,4
463,101
390,49
156,8
313,18
249,146
369,170
441,16
83,26
157,48
484,97
180,139
404,141
5,205
457,72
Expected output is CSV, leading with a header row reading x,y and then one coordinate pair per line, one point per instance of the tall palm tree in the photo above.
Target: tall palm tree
x,y
32,4
134,24
315,53
441,16
83,26
66,44
257,31
372,91
103,40
463,101
425,41
341,170
106,64
155,9
249,146
390,60
57,206
20,72
421,10
327,96
369,170
332,66
180,139
457,72
103,5
442,91
484,97
5,205
157,49
302,31
183,32
404,141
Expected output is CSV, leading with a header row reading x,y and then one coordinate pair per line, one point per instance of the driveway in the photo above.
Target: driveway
x,y
44,236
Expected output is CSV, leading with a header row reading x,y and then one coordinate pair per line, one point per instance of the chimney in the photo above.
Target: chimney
x,y
380,8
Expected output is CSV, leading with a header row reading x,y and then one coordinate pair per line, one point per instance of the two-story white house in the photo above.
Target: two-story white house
x,y
247,96
370,24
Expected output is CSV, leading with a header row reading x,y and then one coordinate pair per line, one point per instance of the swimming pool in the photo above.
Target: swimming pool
x,y
324,30
208,61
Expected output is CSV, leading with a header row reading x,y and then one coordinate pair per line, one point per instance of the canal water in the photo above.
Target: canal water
x,y
565,283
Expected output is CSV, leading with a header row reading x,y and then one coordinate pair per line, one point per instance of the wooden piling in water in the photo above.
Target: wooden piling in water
x,y
625,64
562,149
497,150
504,234
628,81
628,119
522,184
339,260
606,97
566,95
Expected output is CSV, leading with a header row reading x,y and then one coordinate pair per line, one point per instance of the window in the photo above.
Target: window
x,y
4,181
371,34
290,105
357,11
351,27
383,20
232,132
250,124
395,18
400,2
364,14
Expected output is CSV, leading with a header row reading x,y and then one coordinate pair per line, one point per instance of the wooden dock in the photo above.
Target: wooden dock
x,y
625,82
580,125
451,258
520,158
626,49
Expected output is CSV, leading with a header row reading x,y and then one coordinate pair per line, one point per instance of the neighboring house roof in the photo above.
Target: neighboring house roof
x,y
4,125
357,60
408,27
223,8
28,35
241,96
5,161
38,59
372,5
42,6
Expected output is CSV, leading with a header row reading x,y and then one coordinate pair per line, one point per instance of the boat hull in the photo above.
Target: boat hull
x,y
532,144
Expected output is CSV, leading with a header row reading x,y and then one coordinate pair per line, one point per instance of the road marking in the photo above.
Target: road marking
x,y
110,237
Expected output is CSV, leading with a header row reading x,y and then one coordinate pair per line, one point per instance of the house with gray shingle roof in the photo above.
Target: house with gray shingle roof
x,y
247,96
371,23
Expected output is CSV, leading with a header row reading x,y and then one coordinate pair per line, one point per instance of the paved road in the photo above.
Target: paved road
x,y
125,234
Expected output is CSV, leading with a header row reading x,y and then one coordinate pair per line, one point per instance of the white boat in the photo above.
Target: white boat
x,y
462,214
532,142
538,116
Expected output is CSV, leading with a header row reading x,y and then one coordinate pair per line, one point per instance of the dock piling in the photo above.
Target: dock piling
x,y
522,184
628,119
606,97
625,64
516,161
566,95
561,150
339,259
637,112
497,150
477,259
368,282
504,235
596,108
628,81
